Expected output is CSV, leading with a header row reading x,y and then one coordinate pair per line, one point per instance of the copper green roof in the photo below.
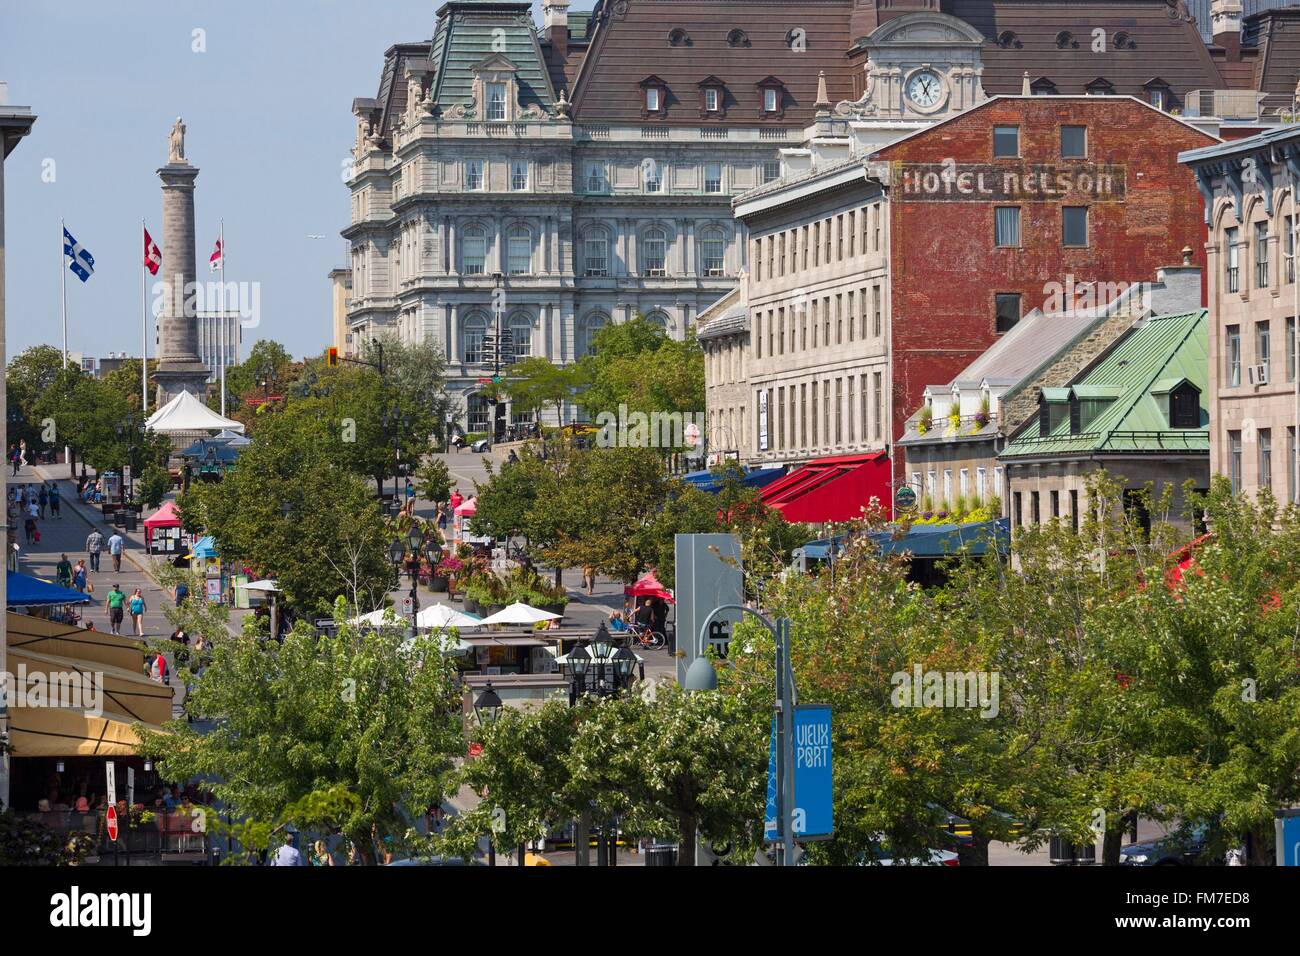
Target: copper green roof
x,y
471,31
1131,382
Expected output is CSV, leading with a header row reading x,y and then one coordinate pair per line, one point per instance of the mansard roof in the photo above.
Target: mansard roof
x,y
630,38
467,36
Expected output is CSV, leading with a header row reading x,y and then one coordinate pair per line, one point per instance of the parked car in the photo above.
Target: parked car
x,y
433,861
1180,848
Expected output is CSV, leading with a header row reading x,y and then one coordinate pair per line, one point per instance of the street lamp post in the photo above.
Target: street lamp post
x,y
701,676
487,710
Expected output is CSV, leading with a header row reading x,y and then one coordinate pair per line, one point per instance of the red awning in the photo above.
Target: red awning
x,y
831,489
648,586
164,517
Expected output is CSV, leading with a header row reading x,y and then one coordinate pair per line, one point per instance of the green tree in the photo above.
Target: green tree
x,y
332,539
535,383
433,480
299,723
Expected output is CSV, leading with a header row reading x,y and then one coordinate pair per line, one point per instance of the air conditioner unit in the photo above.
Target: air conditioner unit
x,y
1257,374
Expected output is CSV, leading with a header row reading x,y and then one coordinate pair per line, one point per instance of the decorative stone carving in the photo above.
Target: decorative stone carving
x,y
461,111
563,107
532,111
176,143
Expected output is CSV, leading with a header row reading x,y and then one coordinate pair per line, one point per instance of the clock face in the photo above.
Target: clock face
x,y
924,89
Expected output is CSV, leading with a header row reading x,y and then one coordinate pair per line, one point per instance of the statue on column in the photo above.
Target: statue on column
x,y
176,144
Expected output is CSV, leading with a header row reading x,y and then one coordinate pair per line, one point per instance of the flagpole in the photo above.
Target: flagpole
x,y
221,239
63,291
144,328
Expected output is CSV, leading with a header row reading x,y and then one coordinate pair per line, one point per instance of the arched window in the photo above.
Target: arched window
x,y
521,335
590,326
1065,40
519,249
659,318
678,37
713,251
595,252
654,252
472,331
473,250
737,37
1007,39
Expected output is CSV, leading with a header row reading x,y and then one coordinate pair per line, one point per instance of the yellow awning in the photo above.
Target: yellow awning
x,y
58,732
75,643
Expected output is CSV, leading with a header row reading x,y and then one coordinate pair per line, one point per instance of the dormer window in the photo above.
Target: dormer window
x,y
771,93
678,37
1123,41
1157,92
496,101
1100,87
1053,407
1065,41
1008,40
1180,400
1042,87
654,97
737,37
712,97
1088,403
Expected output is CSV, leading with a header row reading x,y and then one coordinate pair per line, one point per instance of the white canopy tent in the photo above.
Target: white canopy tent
x,y
519,613
185,413
440,616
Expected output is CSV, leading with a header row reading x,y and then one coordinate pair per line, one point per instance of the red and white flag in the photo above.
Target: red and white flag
x,y
216,260
152,257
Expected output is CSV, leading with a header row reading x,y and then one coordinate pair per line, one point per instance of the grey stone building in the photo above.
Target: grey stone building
x,y
509,175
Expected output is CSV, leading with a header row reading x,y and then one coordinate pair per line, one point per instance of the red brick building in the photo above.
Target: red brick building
x,y
1088,189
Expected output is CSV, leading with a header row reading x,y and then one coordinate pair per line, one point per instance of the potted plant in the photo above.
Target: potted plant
x,y
926,421
983,416
447,571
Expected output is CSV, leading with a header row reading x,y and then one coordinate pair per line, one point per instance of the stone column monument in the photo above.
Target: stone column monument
x,y
179,368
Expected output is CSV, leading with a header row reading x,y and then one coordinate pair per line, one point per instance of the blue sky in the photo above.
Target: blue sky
x,y
268,112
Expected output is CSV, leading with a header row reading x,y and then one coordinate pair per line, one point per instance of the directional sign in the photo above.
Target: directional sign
x,y
110,819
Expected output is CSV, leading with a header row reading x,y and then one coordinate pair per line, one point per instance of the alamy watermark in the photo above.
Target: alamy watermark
x,y
653,430
69,690
212,297
954,689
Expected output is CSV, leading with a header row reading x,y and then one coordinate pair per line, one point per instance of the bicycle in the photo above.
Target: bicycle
x,y
644,636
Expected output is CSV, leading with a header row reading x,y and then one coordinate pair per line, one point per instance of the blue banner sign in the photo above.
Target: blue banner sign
x,y
813,789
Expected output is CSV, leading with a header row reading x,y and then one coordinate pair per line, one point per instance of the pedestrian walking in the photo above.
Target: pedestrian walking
x,y
94,545
589,579
115,549
29,528
79,575
182,592
33,507
15,459
456,499
113,604
43,500
137,608
55,496
63,572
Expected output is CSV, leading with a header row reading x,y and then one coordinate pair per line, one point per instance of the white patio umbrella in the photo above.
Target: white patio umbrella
x,y
384,615
520,613
263,585
439,616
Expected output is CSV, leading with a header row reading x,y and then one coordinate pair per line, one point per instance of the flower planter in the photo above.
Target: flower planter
x,y
439,582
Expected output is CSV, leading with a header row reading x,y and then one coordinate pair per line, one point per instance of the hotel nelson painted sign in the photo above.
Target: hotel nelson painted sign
x,y
999,182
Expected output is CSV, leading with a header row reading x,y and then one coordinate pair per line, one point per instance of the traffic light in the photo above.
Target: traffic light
x,y
332,357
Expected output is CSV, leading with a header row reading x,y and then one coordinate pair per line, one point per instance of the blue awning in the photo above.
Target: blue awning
x,y
27,591
752,478
940,540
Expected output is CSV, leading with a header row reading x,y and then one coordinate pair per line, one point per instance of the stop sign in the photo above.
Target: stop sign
x,y
112,823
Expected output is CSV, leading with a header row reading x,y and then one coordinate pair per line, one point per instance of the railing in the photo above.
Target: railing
x,y
1290,268
1261,274
596,132
654,132
773,133
1233,279
713,132
170,834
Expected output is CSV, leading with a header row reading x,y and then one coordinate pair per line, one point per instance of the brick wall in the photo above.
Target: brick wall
x,y
945,267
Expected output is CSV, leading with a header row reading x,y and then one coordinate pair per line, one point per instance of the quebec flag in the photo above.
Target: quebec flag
x,y
82,262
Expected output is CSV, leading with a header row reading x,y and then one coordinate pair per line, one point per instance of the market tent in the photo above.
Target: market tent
x,y
165,517
185,413
205,547
519,613
467,508
648,586
23,590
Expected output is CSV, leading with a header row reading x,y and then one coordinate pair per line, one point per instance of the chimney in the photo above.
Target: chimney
x,y
1225,27
1177,288
555,21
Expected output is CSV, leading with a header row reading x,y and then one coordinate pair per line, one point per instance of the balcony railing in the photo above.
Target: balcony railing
x,y
1261,274
1233,278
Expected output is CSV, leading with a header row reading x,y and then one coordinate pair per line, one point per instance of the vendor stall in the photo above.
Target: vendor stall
x,y
163,533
